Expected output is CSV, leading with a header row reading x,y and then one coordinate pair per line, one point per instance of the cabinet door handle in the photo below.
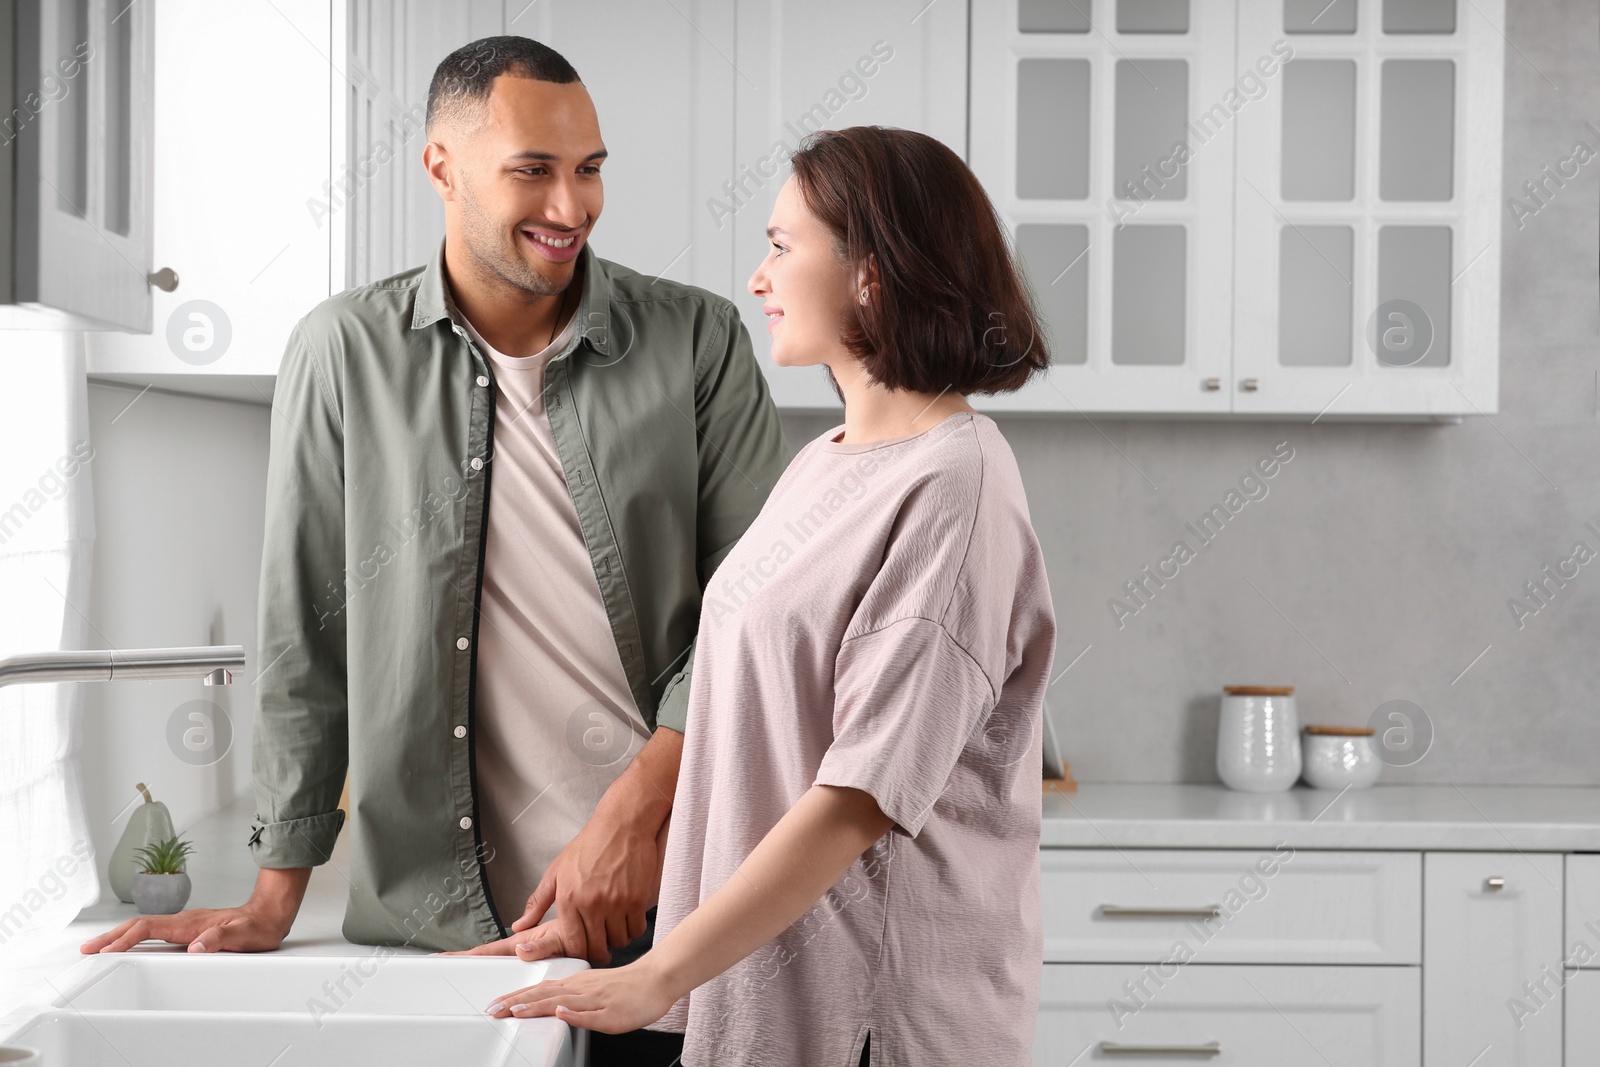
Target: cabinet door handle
x,y
1116,1048
165,279
1211,384
1250,385
1496,883
1117,911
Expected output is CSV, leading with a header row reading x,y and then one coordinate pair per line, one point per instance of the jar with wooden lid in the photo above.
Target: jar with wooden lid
x,y
1258,738
1339,757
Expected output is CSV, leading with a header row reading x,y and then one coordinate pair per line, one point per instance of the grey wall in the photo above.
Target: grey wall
x,y
1389,550
179,499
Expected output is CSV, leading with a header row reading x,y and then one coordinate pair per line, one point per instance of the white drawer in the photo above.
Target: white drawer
x,y
1583,908
1254,1016
1212,906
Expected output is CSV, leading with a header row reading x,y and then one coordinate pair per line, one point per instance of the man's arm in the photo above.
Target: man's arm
x,y
301,731
608,876
605,880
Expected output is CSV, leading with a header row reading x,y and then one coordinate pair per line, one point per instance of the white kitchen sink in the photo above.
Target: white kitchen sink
x,y
173,1009
68,1038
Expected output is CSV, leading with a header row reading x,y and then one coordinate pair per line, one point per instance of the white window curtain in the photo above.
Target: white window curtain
x,y
47,867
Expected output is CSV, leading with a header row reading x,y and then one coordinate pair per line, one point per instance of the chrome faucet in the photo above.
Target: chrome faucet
x,y
214,664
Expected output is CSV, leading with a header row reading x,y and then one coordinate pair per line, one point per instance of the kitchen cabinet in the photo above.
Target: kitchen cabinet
x,y
1579,975
75,181
1319,956
1257,209
240,191
1492,922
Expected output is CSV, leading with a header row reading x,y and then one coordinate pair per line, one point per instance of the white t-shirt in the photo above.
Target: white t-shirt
x,y
555,720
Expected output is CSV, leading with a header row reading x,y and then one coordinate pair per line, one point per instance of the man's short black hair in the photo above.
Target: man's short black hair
x,y
463,79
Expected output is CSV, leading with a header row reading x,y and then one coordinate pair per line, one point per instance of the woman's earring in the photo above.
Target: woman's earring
x,y
863,296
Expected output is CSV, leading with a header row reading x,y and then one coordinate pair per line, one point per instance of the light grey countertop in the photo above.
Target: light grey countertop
x,y
1386,817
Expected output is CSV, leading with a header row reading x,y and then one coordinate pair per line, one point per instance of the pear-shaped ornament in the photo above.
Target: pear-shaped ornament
x,y
149,824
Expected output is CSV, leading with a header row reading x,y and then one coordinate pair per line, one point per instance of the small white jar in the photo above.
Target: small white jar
x,y
1340,756
1258,738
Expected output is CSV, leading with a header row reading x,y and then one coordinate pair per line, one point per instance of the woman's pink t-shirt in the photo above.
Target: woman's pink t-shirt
x,y
884,624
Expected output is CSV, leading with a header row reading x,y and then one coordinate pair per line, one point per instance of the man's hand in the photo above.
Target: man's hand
x,y
608,876
602,883
259,926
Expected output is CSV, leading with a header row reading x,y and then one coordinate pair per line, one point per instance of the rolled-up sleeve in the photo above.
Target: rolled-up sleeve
x,y
301,747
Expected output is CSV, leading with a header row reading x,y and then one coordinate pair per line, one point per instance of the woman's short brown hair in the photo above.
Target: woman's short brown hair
x,y
950,311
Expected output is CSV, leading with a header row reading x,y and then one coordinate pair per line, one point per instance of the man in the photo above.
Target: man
x,y
488,675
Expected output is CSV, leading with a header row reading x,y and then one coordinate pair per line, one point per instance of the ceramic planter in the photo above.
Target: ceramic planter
x,y
149,823
160,894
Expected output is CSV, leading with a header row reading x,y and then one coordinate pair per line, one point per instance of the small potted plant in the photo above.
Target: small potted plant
x,y
161,886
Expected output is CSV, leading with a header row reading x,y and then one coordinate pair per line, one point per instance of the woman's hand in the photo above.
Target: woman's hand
x,y
613,1001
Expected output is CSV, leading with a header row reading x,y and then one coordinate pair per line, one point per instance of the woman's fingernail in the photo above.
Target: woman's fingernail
x,y
520,1009
495,1007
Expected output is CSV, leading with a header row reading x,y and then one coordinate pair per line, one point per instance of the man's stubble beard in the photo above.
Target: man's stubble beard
x,y
485,243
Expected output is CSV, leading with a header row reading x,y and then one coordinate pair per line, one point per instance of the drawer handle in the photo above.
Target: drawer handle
x,y
1117,911
1114,1048
1494,884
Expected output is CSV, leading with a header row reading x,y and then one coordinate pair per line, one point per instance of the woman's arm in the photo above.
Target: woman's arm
x,y
806,852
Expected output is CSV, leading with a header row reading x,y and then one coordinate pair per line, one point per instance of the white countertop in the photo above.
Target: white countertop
x,y
1394,817
223,875
1385,817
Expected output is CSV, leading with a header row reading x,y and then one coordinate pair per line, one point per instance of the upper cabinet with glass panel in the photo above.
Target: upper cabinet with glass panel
x,y
1373,287
1270,207
1083,129
75,190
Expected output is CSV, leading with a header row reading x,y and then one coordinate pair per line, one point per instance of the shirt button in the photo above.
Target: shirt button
x,y
483,380
462,643
466,823
461,731
477,464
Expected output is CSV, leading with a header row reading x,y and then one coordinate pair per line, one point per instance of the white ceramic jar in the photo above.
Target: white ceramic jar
x,y
1258,738
1337,757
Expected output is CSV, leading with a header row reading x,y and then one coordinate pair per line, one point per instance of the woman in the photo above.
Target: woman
x,y
854,848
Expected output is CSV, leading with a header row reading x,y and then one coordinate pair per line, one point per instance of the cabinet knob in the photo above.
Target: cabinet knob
x,y
1211,384
1494,884
1250,385
165,279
